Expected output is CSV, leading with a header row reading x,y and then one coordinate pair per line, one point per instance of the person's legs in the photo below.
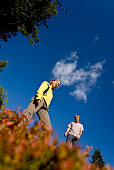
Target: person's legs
x,y
44,118
39,106
32,109
69,138
75,141
41,110
28,113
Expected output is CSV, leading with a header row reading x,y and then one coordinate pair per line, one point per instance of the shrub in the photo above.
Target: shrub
x,y
22,147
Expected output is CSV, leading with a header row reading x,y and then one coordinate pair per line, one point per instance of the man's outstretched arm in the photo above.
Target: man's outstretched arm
x,y
67,131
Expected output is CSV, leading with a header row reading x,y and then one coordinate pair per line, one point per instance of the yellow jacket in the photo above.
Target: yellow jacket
x,y
47,96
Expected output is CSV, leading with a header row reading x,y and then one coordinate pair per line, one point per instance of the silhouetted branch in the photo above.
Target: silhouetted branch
x,y
61,6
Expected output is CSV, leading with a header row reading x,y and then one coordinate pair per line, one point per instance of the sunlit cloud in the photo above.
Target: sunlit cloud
x,y
81,80
96,38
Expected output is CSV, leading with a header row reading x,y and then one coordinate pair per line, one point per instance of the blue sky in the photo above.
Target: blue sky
x,y
77,48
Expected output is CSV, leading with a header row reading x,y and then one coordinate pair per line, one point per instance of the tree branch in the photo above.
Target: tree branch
x,y
61,6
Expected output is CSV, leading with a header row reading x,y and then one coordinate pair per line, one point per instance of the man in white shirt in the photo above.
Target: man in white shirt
x,y
75,130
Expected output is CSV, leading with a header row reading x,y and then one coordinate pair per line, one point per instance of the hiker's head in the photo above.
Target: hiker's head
x,y
55,83
77,118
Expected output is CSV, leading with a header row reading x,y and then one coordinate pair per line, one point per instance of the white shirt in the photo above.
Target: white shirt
x,y
75,128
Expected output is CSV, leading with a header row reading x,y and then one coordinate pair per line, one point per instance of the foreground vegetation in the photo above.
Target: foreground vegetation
x,y
32,148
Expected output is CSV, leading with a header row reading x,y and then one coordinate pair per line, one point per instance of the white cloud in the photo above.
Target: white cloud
x,y
80,92
82,80
64,71
96,38
73,55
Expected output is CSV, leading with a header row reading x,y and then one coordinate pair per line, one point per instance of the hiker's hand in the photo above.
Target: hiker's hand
x,y
38,101
65,134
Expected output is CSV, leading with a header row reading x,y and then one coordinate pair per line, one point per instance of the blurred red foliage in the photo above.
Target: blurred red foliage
x,y
32,148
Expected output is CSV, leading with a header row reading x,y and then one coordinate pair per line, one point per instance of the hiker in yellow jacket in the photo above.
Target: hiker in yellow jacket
x,y
40,102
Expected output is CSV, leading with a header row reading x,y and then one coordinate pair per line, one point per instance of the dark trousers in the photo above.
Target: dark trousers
x,y
72,139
